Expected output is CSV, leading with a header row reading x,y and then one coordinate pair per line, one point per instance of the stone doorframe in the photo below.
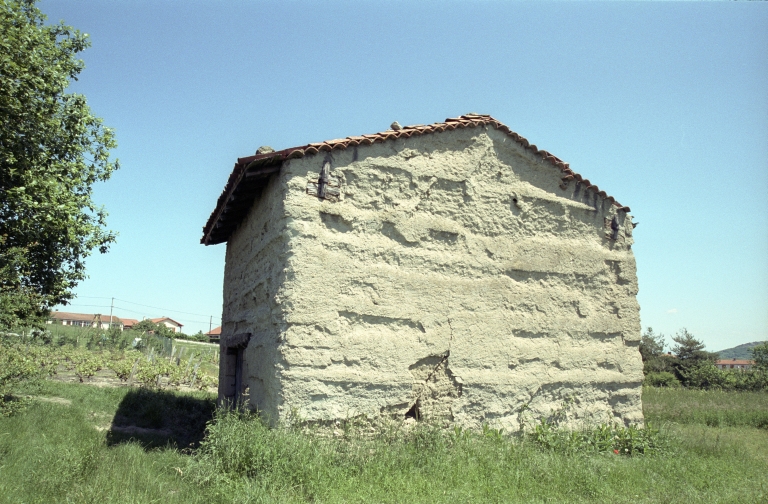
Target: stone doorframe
x,y
232,355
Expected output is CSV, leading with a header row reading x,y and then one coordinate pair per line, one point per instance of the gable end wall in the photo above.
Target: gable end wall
x,y
455,277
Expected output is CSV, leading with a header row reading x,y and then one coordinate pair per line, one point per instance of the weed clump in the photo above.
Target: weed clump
x,y
240,448
604,438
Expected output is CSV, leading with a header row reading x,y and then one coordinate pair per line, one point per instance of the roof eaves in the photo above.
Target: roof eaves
x,y
250,164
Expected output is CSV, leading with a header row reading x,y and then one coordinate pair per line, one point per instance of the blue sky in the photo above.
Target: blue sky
x,y
663,105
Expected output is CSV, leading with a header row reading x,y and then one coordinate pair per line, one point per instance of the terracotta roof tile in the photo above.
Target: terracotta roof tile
x,y
236,191
741,362
83,317
161,319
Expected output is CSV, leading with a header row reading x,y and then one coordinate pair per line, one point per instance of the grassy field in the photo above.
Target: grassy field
x,y
79,443
712,408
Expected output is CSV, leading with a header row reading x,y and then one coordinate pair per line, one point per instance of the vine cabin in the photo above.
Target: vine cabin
x,y
450,272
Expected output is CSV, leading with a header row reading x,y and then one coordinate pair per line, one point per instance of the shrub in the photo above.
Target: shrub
x,y
760,356
604,438
123,364
707,376
661,379
15,365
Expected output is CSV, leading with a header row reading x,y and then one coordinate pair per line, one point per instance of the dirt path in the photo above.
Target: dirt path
x,y
54,400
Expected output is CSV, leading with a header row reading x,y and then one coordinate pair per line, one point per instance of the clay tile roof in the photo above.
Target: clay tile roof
x,y
84,317
251,173
740,362
161,319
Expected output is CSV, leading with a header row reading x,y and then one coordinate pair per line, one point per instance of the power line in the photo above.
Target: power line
x,y
202,320
161,309
199,321
89,305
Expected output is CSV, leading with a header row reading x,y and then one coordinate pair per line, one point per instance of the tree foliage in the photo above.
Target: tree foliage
x,y
760,356
150,327
688,348
690,355
52,151
652,351
651,344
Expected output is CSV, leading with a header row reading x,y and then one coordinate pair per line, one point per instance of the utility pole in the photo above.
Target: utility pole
x,y
110,312
210,324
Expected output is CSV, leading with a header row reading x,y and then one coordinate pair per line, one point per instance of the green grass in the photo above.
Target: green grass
x,y
66,452
707,407
60,452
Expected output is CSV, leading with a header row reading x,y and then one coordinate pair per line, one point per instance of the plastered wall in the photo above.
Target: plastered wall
x,y
254,277
455,280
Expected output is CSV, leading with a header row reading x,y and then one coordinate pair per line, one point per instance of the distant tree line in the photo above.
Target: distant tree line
x,y
688,364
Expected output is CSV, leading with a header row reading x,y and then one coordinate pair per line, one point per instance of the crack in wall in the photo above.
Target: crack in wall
x,y
445,358
435,389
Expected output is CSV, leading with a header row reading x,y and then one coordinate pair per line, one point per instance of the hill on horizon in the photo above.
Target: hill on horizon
x,y
738,352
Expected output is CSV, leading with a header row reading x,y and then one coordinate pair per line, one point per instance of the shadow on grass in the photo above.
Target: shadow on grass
x,y
155,418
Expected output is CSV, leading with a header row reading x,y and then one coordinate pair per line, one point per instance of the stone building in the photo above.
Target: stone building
x,y
451,272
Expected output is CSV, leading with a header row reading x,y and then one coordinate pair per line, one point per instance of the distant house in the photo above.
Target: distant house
x,y
169,323
214,335
734,364
128,323
85,320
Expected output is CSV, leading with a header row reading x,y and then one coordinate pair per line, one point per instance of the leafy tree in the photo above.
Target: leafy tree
x,y
661,379
652,351
52,151
651,344
688,348
760,356
690,354
150,327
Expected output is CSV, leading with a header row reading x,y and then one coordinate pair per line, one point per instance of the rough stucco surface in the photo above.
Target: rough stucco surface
x,y
253,277
455,274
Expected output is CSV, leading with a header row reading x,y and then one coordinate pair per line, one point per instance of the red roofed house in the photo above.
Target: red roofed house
x,y
214,334
84,320
734,364
451,271
128,323
168,322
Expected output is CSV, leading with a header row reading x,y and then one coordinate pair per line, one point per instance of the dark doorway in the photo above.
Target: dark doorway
x,y
233,385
